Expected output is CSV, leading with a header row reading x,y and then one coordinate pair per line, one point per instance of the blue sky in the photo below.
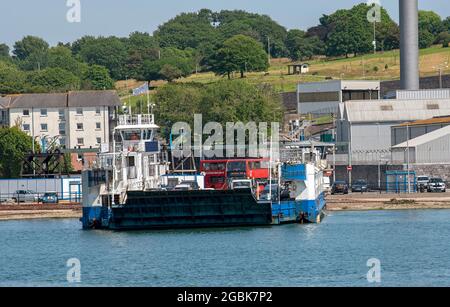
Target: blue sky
x,y
47,18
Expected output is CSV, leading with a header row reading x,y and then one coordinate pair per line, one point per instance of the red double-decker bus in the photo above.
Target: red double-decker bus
x,y
219,172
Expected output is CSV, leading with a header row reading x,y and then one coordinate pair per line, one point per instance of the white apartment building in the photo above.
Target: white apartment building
x,y
75,120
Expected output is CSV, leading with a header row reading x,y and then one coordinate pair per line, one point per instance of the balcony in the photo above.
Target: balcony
x,y
136,120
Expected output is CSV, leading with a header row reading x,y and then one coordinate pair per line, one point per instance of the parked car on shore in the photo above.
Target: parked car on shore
x,y
437,185
25,196
422,183
50,198
360,186
339,187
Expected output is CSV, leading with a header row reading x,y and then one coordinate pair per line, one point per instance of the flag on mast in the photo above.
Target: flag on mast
x,y
143,89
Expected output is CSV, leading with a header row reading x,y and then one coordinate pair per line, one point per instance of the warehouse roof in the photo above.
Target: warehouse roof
x,y
61,100
431,121
426,138
389,110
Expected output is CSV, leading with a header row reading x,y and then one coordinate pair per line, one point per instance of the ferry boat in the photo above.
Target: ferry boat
x,y
127,188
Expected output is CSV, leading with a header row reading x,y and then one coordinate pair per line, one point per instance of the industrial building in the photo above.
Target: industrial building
x,y
366,126
318,98
410,130
432,148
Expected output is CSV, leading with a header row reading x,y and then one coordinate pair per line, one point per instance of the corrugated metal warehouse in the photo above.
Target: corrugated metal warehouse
x,y
433,147
367,124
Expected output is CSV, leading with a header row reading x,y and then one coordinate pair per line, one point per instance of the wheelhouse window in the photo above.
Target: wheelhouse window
x,y
131,135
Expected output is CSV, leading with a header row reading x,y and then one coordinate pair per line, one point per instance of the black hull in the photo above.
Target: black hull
x,y
190,209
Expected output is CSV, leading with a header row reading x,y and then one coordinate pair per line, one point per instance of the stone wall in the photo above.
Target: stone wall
x,y
432,170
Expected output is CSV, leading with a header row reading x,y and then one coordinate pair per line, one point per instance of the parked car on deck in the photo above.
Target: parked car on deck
x,y
25,196
437,185
50,198
360,186
339,187
187,186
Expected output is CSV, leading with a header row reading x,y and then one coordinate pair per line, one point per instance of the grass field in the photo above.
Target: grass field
x,y
380,66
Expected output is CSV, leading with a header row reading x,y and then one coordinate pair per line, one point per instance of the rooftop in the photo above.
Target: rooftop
x,y
388,110
431,121
61,100
338,85
426,138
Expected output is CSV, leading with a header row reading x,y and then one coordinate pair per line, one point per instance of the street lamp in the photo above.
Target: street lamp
x,y
440,69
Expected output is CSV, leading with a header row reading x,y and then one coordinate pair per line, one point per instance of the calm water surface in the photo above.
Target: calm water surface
x,y
413,247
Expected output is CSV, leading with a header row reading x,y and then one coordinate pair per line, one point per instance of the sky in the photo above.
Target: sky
x,y
47,18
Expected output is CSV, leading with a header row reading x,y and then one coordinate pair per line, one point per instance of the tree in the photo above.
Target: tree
x,y
53,80
446,24
301,47
30,45
61,57
177,63
187,30
12,80
222,102
349,34
141,47
97,77
110,52
4,51
242,54
14,144
431,22
260,27
426,39
349,31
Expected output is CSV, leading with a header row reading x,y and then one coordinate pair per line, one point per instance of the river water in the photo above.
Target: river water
x,y
413,248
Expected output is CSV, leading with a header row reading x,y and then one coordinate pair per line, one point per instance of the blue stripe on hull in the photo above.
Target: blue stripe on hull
x,y
293,211
95,217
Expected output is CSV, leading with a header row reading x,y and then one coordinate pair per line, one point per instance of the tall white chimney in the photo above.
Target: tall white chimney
x,y
409,44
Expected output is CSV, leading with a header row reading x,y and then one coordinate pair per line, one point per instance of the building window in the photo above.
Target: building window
x,y
44,112
44,127
98,126
26,127
80,157
62,142
97,111
99,141
80,141
62,115
79,126
79,111
62,128
26,112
